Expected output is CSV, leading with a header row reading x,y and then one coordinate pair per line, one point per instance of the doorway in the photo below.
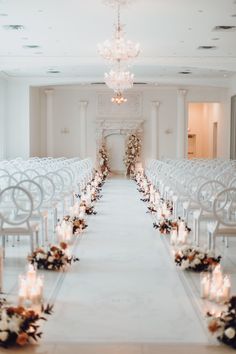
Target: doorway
x,y
115,144
203,121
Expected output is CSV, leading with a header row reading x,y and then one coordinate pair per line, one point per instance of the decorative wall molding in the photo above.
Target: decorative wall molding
x,y
106,127
132,108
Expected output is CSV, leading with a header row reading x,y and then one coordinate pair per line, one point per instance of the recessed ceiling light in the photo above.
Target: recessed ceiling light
x,y
31,46
200,11
38,53
185,72
13,27
215,39
3,15
207,47
24,38
190,28
224,28
53,71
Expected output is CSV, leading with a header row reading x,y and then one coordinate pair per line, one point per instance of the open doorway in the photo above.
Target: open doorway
x,y
203,119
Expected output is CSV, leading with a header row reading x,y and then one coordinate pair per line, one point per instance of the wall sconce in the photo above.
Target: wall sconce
x,y
65,131
168,131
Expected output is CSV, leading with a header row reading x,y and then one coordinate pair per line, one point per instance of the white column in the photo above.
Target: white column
x,y
83,129
49,122
155,130
182,130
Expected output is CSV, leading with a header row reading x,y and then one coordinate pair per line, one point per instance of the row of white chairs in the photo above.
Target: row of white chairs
x,y
204,189
33,190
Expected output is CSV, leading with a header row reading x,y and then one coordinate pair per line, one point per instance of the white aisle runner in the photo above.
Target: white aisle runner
x,y
125,288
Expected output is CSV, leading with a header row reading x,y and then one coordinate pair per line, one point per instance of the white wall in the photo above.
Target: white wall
x,y
66,116
17,119
3,88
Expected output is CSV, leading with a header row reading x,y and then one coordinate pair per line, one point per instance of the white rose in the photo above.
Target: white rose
x,y
14,325
3,336
50,266
185,264
230,332
3,325
196,261
50,259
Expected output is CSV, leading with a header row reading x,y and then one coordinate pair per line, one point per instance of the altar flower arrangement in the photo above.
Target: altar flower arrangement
x,y
132,154
223,327
77,223
20,326
103,161
57,257
193,258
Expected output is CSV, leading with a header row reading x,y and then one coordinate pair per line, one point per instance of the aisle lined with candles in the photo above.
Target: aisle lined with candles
x,y
126,287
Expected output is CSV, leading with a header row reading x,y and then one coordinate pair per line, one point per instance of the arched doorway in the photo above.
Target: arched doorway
x,y
115,144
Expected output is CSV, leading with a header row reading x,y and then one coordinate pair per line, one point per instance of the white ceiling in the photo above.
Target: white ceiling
x,y
67,33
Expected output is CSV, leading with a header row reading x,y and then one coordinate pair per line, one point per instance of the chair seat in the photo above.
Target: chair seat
x,y
226,231
19,230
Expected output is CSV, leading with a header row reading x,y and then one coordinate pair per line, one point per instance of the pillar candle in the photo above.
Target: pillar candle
x,y
205,285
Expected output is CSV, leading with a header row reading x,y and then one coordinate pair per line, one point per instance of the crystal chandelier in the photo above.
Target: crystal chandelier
x,y
118,98
119,48
119,80
120,52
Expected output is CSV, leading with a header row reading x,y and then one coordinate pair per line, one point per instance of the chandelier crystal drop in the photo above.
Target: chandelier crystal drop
x,y
118,80
114,3
119,48
119,98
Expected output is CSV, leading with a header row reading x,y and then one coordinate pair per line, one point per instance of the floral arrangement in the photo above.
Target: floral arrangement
x,y
20,326
152,208
132,154
165,226
224,326
193,258
90,210
55,258
103,161
77,224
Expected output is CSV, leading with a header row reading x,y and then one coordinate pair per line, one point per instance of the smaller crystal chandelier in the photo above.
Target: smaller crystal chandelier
x,y
119,80
119,48
118,98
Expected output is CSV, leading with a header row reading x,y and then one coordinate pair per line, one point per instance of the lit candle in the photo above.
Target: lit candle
x,y
31,275
40,287
173,239
217,276
181,230
21,297
164,209
213,292
68,232
205,285
226,289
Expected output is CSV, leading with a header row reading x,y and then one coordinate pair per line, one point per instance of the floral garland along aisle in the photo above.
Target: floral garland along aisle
x,y
103,159
214,285
20,325
132,154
